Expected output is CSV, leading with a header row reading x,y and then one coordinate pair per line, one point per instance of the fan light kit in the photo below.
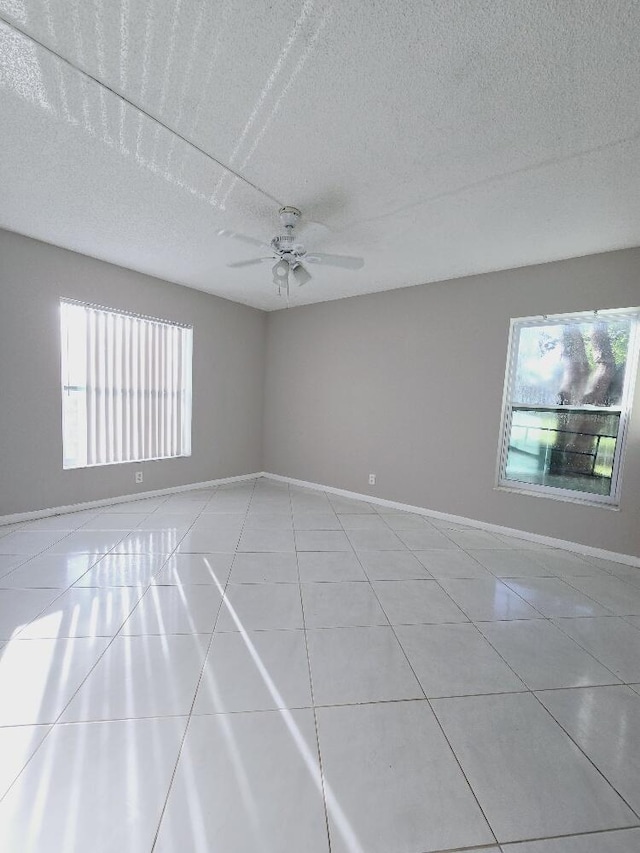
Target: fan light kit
x,y
288,254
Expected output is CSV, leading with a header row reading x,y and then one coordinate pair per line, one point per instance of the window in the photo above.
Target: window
x,y
567,397
126,387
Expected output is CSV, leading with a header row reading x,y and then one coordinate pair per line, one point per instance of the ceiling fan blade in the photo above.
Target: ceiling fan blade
x,y
300,275
249,262
345,261
225,232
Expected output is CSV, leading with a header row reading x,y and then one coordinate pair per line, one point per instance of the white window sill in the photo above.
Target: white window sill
x,y
554,496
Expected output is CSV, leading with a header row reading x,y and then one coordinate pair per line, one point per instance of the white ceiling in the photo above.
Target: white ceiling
x,y
436,139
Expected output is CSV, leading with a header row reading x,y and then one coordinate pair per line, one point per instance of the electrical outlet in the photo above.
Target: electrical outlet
x,y
372,479
139,476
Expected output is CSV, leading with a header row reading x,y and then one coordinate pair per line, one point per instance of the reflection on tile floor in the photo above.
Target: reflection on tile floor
x,y
264,667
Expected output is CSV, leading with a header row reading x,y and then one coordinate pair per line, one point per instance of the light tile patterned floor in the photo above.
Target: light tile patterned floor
x,y
261,667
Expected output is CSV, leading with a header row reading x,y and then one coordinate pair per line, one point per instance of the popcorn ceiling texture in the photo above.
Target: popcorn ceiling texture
x,y
435,139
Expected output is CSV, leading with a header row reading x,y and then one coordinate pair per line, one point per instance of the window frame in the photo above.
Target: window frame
x,y
65,387
502,483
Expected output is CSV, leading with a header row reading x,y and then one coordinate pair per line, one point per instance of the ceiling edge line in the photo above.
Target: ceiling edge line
x,y
138,108
137,270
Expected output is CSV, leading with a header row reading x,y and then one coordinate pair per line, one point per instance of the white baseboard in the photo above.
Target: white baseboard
x,y
17,517
576,547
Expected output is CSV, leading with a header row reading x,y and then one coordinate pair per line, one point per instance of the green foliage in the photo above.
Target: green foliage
x,y
618,336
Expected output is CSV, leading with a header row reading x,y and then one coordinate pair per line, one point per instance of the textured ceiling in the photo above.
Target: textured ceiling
x,y
434,139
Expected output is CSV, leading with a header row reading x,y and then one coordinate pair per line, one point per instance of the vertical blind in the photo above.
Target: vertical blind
x,y
126,385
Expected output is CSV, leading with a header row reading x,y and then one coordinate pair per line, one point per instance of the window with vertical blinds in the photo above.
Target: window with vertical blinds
x,y
126,386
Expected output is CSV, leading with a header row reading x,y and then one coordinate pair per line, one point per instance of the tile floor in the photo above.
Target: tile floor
x,y
261,667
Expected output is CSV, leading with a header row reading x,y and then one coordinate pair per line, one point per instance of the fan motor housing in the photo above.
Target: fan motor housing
x,y
286,246
289,216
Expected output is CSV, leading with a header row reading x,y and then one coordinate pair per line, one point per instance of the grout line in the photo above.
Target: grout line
x,y
19,519
548,619
584,648
528,690
418,682
313,701
634,811
438,581
323,706
596,577
50,726
533,693
92,668
202,671
474,524
508,845
55,722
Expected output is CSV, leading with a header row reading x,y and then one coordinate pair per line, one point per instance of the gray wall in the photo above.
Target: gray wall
x,y
228,377
408,384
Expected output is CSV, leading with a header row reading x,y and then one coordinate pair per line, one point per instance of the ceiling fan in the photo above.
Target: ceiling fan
x,y
289,253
